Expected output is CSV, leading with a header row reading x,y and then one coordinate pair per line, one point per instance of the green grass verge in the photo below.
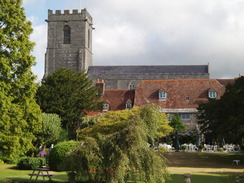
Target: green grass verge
x,y
193,163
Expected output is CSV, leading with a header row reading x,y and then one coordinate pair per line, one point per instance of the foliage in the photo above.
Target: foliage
x,y
113,121
176,123
116,147
63,135
20,116
224,118
51,128
69,94
58,153
28,163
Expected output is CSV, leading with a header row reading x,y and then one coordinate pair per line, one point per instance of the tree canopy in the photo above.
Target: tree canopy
x,y
176,123
20,116
69,94
117,147
224,118
51,129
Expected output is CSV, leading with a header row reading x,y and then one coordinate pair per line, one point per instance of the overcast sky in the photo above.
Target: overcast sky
x,y
154,32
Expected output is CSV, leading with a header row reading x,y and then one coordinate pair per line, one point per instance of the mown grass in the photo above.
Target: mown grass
x,y
204,168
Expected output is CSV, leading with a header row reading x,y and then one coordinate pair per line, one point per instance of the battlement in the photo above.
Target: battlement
x,y
83,12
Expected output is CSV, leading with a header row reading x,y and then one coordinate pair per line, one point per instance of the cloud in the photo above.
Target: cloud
x,y
161,32
39,36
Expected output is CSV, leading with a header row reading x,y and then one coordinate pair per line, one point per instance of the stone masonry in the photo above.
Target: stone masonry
x,y
70,46
76,53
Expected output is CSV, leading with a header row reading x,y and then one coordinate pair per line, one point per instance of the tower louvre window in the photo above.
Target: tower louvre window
x,y
67,32
89,37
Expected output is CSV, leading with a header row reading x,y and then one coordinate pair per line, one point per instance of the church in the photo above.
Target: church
x,y
69,45
177,89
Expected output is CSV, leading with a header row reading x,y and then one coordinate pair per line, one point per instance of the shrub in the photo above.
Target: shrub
x,y
58,153
29,163
183,148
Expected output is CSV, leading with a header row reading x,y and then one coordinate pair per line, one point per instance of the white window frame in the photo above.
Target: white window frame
x,y
128,105
105,107
186,116
162,95
212,94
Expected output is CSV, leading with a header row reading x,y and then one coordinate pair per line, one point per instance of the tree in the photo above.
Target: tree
x,y
51,129
224,118
176,123
116,147
69,94
20,116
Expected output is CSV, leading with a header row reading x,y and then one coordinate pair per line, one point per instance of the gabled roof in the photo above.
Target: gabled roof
x,y
178,92
149,69
118,98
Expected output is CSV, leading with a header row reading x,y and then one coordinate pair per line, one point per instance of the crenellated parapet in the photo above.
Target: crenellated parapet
x,y
70,15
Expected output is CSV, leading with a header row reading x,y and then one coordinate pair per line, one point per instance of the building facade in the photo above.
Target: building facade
x,y
69,45
69,41
174,96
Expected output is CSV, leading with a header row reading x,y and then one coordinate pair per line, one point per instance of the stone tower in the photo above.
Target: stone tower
x,y
69,41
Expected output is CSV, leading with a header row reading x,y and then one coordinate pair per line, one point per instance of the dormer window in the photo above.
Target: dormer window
x,y
105,107
128,104
162,95
212,94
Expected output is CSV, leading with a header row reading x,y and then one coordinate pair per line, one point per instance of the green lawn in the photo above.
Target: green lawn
x,y
9,172
204,168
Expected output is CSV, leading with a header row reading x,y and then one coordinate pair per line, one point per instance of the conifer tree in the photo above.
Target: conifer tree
x,y
20,116
69,94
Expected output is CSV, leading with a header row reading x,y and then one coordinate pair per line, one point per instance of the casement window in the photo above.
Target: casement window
x,y
185,116
128,105
105,107
162,95
212,94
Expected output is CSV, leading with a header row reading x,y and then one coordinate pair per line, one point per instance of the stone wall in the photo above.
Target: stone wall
x,y
78,54
122,81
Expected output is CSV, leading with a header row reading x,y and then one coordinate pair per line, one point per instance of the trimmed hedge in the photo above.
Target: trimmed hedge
x,y
58,153
28,163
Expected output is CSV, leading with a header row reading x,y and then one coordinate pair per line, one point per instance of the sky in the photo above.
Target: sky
x,y
154,32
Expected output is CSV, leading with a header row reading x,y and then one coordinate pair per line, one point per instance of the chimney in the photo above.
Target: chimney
x,y
101,86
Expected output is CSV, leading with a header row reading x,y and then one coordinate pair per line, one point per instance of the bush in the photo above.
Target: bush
x,y
183,148
58,153
28,163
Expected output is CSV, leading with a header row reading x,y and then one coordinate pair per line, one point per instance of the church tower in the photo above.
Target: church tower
x,y
69,41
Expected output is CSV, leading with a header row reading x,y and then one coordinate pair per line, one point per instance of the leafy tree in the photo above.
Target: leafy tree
x,y
116,147
51,128
69,94
20,116
224,118
176,123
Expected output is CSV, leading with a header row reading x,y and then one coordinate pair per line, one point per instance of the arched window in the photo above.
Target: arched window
x,y
132,85
67,34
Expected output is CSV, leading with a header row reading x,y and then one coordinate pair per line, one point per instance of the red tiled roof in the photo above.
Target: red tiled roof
x,y
178,90
226,81
117,98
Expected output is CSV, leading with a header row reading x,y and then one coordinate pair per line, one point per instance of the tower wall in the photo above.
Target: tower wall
x,y
76,53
